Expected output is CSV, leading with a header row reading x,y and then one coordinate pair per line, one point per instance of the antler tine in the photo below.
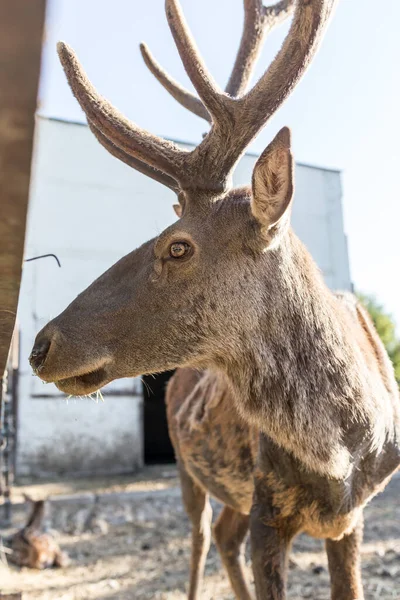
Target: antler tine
x,y
259,104
181,95
135,163
259,20
215,101
124,134
235,122
278,12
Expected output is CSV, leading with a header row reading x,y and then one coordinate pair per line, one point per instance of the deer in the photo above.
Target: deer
x,y
230,289
31,547
216,452
199,404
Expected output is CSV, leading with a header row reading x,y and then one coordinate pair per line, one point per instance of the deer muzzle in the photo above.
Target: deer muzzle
x,y
57,360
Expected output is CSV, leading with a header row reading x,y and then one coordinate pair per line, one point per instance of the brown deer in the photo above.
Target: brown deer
x,y
215,449
31,547
216,452
230,288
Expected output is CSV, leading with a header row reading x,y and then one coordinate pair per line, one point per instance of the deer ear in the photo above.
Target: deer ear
x,y
178,210
272,184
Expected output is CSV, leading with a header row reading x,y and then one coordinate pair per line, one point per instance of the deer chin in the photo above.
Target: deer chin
x,y
81,385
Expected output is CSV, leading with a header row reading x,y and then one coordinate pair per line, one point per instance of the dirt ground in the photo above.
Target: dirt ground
x,y
140,549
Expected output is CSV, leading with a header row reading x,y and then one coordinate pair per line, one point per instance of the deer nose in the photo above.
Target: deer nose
x,y
39,353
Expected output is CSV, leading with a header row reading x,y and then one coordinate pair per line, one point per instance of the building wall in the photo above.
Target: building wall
x,y
90,209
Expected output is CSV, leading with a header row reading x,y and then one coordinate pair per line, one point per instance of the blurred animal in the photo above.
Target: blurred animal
x,y
31,547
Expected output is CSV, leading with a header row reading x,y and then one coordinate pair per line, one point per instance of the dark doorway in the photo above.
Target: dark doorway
x,y
157,445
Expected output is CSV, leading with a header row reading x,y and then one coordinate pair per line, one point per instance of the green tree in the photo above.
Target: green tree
x,y
386,329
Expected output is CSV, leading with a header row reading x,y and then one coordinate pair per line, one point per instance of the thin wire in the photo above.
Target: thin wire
x,y
44,256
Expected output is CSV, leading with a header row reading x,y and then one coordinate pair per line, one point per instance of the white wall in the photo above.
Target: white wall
x,y
90,209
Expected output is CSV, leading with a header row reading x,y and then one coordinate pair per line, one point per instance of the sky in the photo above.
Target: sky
x,y
344,114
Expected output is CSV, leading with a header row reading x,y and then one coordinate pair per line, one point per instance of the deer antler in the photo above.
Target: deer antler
x,y
133,162
183,96
259,20
235,122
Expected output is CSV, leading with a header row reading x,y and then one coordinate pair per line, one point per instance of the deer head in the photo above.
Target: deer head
x,y
191,295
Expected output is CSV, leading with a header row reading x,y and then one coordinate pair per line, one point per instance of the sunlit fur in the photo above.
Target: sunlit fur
x,y
306,369
217,451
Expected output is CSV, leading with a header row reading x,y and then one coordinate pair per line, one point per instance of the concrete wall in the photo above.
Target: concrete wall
x,y
90,209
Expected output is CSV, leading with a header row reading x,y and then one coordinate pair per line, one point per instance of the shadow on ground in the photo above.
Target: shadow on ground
x,y
147,557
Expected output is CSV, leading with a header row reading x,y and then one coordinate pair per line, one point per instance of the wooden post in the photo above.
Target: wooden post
x,y
21,31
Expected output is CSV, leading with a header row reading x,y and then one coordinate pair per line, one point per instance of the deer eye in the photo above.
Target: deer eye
x,y
179,249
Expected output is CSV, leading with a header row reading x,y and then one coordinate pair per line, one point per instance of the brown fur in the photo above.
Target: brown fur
x,y
218,450
248,303
215,445
32,548
300,369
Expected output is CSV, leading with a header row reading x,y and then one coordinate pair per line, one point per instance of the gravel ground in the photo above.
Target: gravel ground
x,y
136,545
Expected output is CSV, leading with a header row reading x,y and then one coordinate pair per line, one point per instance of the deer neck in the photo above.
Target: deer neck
x,y
298,374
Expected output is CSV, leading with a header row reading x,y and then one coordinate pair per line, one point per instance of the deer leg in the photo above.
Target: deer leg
x,y
344,565
270,546
229,532
198,509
